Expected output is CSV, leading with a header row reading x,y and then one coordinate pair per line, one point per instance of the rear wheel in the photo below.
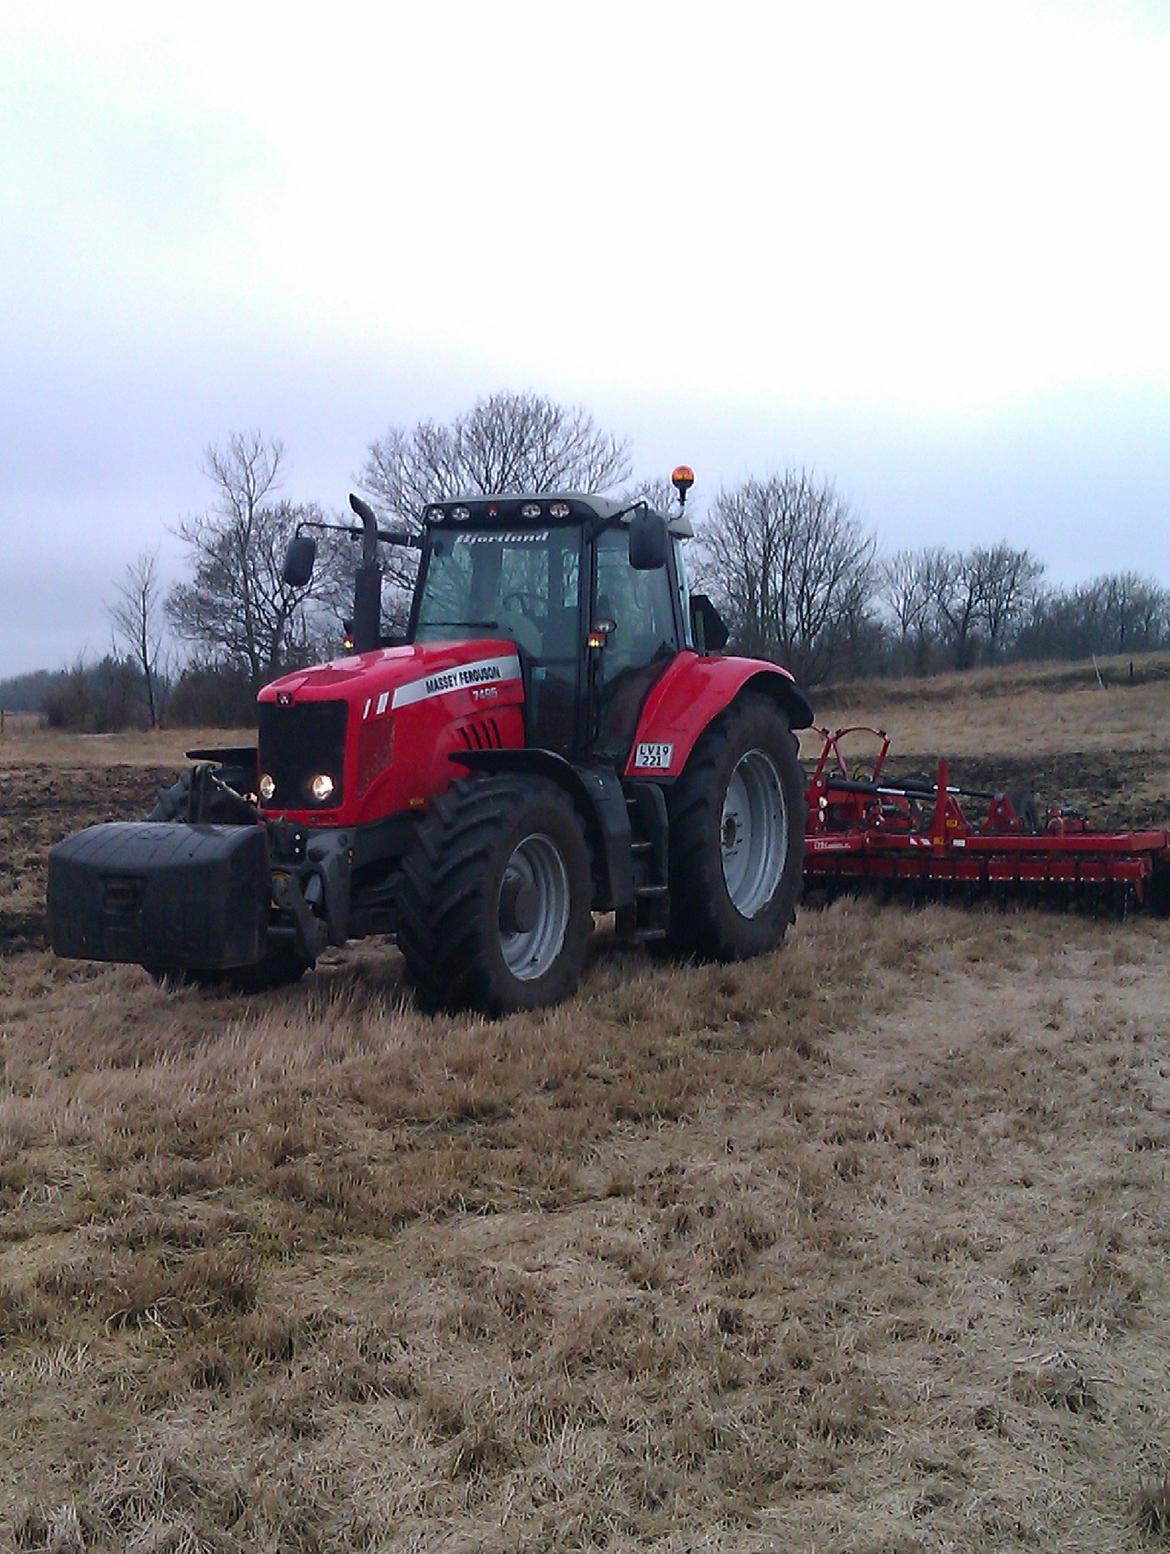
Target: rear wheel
x,y
737,836
495,902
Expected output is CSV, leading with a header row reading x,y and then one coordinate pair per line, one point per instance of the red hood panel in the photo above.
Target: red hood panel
x,y
411,709
399,669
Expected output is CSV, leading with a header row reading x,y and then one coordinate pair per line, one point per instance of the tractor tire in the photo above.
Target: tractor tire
x,y
1023,801
173,801
496,896
737,837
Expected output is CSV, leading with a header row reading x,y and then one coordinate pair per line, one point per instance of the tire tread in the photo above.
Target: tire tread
x,y
447,960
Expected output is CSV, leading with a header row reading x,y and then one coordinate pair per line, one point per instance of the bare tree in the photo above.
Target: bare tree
x,y
1136,612
791,569
136,615
912,583
98,698
983,596
1120,612
656,492
237,605
505,443
960,601
1008,580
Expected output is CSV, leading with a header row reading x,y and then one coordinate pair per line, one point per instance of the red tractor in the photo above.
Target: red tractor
x,y
557,734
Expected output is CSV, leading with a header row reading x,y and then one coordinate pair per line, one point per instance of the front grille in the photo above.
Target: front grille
x,y
298,743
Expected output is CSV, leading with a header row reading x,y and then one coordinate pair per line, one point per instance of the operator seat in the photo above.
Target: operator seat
x,y
559,637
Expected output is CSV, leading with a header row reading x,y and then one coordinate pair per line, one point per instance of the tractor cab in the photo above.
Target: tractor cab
x,y
592,593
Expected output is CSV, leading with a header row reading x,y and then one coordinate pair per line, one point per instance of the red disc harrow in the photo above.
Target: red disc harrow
x,y
913,836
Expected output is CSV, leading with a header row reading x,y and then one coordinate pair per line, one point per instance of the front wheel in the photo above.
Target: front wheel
x,y
496,896
174,802
737,836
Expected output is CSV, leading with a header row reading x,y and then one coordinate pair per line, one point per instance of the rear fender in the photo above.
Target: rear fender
x,y
599,799
694,690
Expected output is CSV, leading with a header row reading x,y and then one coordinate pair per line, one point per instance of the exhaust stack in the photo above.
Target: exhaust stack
x,y
367,583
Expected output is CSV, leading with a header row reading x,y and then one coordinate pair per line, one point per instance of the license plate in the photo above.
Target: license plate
x,y
656,758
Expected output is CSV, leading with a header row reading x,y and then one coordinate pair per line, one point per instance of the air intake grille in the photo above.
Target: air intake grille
x,y
484,735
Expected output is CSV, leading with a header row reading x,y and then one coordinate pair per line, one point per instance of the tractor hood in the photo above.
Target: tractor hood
x,y
385,725
398,676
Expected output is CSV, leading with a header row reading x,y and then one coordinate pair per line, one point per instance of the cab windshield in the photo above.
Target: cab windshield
x,y
524,585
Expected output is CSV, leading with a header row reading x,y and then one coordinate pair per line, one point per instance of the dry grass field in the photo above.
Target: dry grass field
x,y
861,1247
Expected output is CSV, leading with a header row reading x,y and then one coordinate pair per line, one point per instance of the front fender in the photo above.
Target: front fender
x,y
695,689
599,800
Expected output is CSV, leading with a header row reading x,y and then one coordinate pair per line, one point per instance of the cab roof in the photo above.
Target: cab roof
x,y
506,508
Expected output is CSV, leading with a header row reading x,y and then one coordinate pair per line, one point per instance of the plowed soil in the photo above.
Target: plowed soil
x,y
38,806
1114,790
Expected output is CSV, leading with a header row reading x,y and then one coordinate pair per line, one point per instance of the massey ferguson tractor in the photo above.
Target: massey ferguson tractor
x,y
557,735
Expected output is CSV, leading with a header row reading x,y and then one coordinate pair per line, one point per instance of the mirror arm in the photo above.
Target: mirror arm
x,y
640,506
400,537
390,536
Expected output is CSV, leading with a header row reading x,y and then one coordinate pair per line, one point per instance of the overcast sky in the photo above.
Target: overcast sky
x,y
921,247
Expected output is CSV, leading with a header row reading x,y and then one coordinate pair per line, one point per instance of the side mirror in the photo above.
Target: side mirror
x,y
298,561
708,628
647,541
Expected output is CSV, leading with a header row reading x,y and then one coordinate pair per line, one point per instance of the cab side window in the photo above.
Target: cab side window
x,y
638,603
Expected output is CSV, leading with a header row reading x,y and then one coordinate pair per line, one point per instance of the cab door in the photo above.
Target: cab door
x,y
643,642
556,711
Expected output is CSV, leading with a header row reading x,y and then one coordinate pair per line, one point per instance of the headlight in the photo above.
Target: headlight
x,y
461,514
559,510
530,510
267,787
321,786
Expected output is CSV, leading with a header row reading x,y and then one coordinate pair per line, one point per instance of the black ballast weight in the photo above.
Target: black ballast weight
x,y
161,894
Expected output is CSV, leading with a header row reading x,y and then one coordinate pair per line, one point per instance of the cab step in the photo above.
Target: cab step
x,y
648,918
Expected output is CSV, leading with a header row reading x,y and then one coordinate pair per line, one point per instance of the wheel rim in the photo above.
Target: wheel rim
x,y
537,870
753,833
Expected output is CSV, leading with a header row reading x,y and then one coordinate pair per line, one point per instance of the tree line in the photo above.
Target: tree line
x,y
799,579
796,574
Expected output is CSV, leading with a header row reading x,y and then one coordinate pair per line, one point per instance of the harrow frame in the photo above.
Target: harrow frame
x,y
914,836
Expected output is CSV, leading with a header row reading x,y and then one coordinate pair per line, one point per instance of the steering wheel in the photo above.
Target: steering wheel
x,y
523,602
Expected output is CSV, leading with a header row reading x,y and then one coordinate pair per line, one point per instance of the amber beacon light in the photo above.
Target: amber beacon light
x,y
682,480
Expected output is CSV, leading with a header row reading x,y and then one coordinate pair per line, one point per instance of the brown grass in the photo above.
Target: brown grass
x,y
859,1247
1045,709
26,743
